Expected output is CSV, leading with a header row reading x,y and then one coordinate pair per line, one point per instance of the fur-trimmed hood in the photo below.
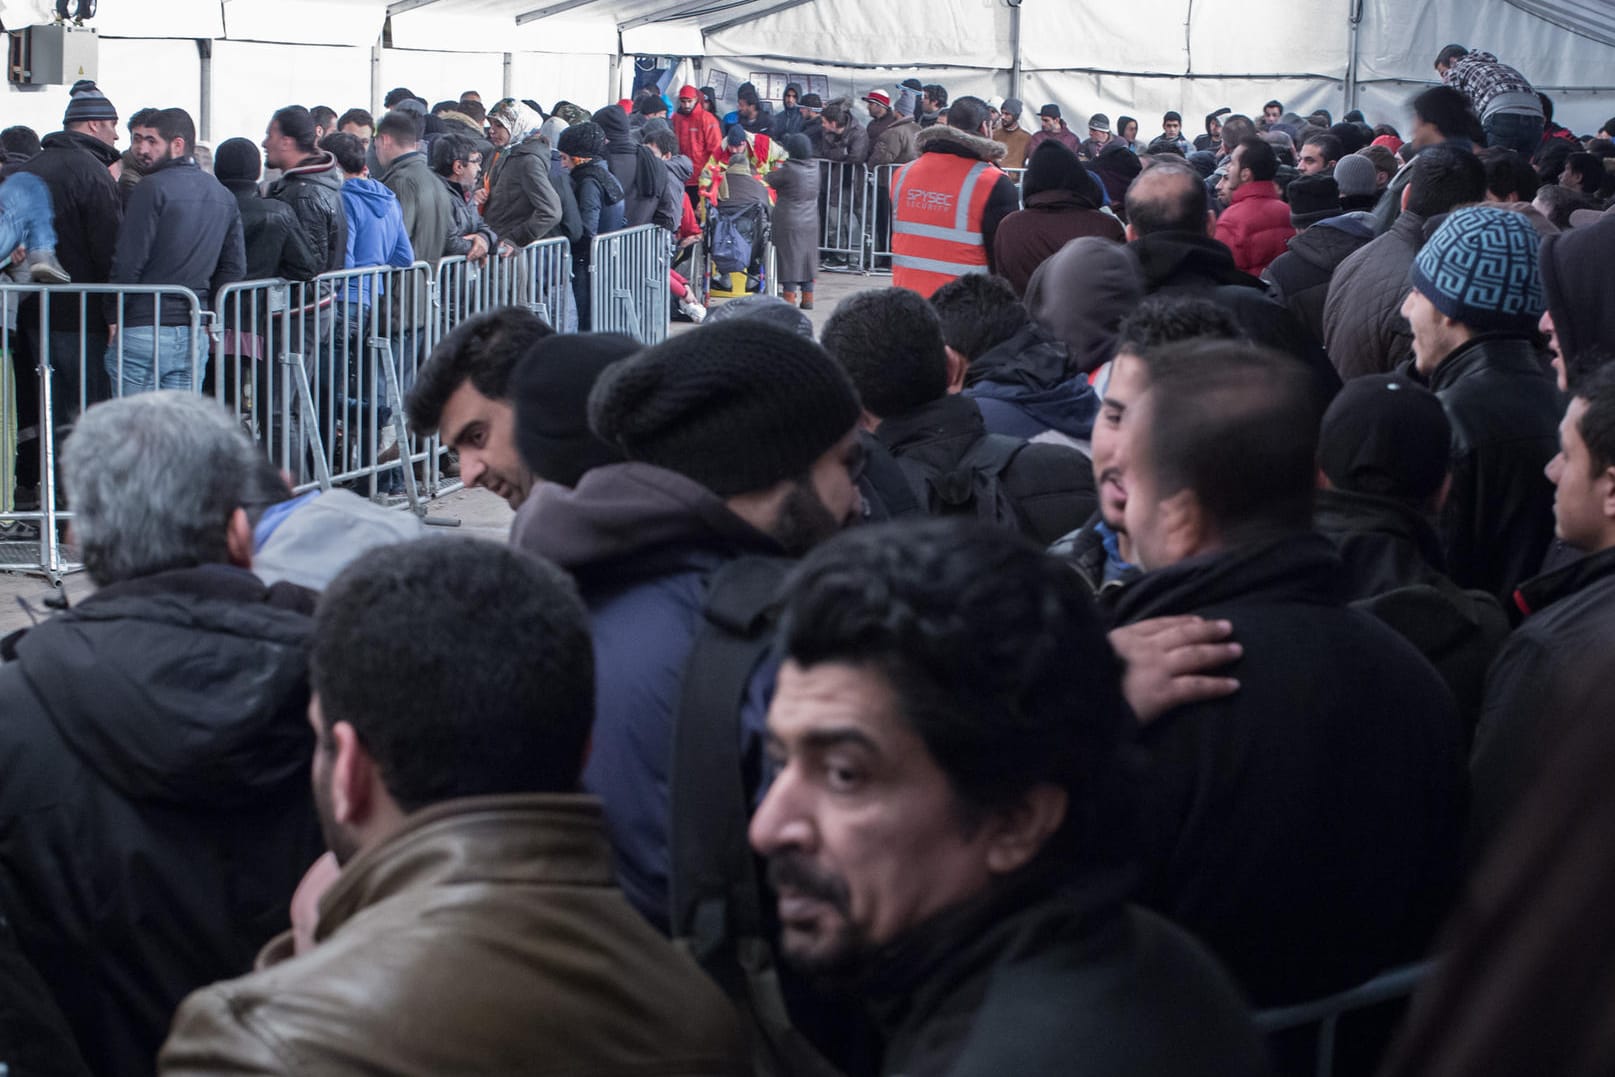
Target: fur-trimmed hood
x,y
953,140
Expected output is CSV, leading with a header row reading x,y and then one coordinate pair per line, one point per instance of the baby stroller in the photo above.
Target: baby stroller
x,y
737,240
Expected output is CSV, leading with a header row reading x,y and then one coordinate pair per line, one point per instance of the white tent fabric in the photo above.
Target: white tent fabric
x,y
1139,57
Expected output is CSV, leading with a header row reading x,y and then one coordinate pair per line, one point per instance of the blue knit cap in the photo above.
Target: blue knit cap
x,y
1480,268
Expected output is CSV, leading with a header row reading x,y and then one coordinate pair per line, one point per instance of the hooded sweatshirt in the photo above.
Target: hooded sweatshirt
x,y
1578,280
376,235
1027,388
698,133
1082,293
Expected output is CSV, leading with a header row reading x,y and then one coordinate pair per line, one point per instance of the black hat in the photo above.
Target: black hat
x,y
585,139
1051,111
237,160
811,100
1313,198
1385,435
550,390
737,407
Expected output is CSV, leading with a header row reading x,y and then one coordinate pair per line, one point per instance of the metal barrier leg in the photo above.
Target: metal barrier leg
x,y
395,401
311,444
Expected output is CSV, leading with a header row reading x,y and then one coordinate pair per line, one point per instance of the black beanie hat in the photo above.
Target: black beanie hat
x,y
1384,434
237,160
1313,198
737,407
583,140
88,103
550,391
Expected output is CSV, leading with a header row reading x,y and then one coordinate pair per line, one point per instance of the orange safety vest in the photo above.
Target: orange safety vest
x,y
939,201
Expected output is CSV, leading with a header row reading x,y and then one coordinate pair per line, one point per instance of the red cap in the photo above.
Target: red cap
x,y
689,91
879,97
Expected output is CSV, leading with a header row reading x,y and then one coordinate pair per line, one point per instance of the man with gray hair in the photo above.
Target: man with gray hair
x,y
154,795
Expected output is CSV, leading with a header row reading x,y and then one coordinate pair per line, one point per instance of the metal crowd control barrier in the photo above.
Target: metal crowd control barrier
x,y
65,356
538,277
1326,1013
628,283
844,203
316,371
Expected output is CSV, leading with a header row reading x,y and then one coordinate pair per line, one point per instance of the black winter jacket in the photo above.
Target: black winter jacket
x,y
1505,410
1299,278
181,227
1306,827
88,212
467,222
1038,981
276,246
313,188
1394,564
155,815
1189,264
1051,485
1570,620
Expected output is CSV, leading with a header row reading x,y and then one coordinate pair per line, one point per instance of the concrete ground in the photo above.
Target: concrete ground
x,y
829,289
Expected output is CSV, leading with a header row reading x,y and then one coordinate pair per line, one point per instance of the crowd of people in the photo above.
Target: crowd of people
x,y
1049,663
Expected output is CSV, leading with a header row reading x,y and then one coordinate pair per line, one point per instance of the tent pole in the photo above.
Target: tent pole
x,y
1014,48
204,125
1352,54
375,74
505,86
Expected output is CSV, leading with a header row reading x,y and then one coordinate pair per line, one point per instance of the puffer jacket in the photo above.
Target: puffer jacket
x,y
1505,409
1299,278
156,815
698,134
522,205
313,188
850,146
510,900
600,203
1363,328
1255,226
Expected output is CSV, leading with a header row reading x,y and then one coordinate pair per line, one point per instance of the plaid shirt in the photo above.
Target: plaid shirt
x,y
1480,77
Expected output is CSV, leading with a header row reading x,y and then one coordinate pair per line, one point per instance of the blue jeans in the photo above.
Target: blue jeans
x,y
1517,131
26,217
160,360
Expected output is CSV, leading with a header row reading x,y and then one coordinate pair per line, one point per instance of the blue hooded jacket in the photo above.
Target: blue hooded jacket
x,y
1025,387
376,235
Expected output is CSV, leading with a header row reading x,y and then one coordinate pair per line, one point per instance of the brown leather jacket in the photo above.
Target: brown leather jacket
x,y
486,937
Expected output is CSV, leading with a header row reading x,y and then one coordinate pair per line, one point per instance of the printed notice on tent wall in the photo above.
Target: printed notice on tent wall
x,y
719,81
771,84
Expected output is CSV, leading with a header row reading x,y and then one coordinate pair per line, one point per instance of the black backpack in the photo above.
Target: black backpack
x,y
973,487
715,894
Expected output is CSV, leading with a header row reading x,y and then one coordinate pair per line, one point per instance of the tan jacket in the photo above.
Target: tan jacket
x,y
487,937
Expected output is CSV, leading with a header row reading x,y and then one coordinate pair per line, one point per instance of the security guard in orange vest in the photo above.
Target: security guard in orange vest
x,y
946,204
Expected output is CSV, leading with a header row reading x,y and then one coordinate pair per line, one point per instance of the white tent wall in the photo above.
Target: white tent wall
x,y
251,79
584,78
133,72
440,76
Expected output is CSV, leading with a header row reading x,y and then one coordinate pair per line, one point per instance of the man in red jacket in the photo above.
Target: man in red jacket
x,y
1256,225
699,134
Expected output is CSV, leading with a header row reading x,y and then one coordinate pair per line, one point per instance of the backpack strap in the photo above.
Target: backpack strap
x,y
713,887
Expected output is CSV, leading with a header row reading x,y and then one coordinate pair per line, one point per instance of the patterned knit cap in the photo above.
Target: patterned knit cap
x,y
1480,268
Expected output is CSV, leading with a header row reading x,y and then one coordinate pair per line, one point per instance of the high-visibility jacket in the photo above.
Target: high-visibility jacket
x,y
939,201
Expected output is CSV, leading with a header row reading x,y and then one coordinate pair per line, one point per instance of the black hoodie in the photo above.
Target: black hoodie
x,y
155,816
1578,280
